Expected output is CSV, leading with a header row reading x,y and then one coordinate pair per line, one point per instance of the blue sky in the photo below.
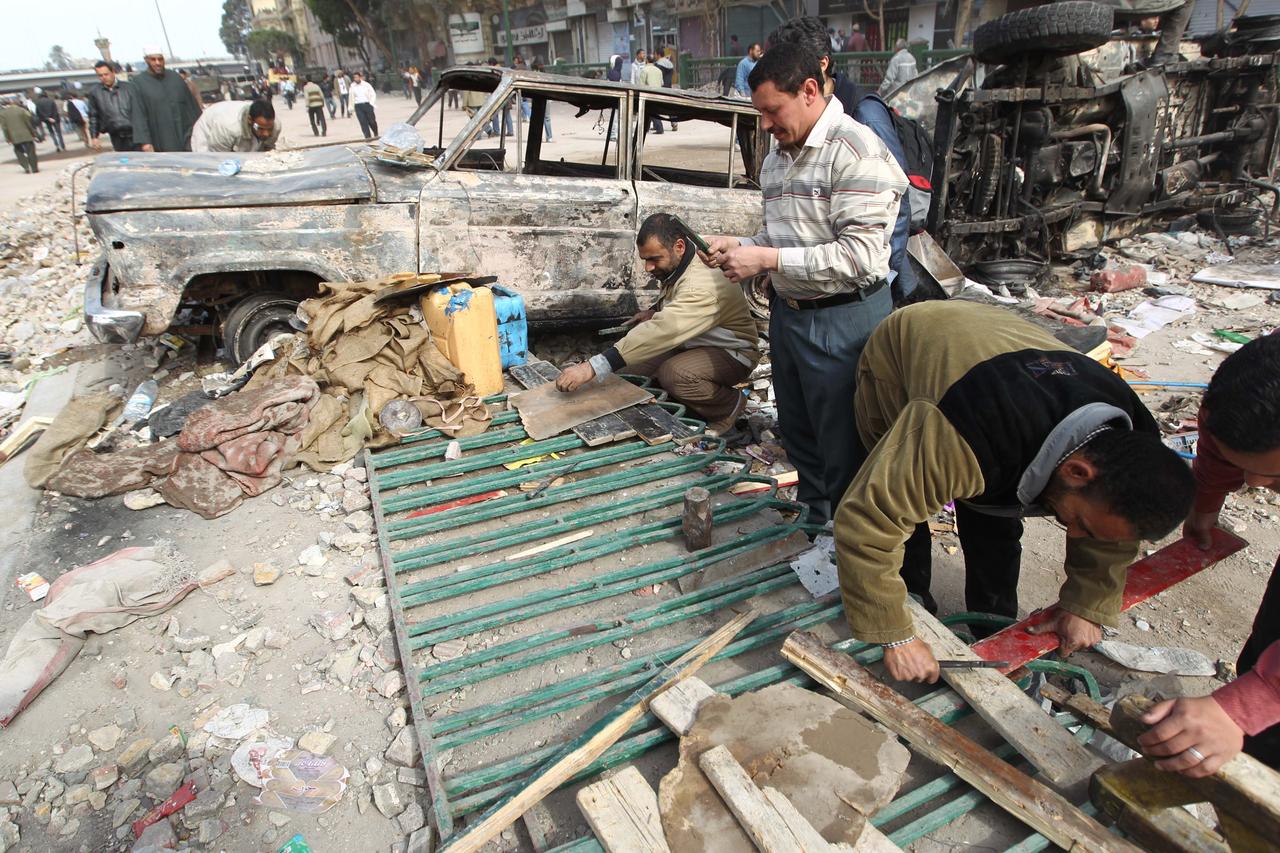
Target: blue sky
x,y
130,24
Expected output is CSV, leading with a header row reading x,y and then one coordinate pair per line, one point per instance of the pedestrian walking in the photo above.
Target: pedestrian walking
x,y
289,90
363,99
546,115
50,118
668,69
75,117
20,131
651,75
901,68
745,66
857,42
637,67
415,83
831,192
109,109
326,86
344,93
162,109
314,96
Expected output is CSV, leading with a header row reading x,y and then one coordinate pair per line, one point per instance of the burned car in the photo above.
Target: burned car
x,y
186,246
1054,138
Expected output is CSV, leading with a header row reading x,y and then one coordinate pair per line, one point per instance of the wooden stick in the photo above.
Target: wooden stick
x,y
1024,798
1051,749
592,743
696,522
547,546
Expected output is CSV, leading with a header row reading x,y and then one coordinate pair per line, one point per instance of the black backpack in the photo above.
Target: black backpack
x,y
917,150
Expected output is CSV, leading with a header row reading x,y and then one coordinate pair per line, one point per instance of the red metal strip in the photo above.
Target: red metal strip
x,y
1151,575
467,501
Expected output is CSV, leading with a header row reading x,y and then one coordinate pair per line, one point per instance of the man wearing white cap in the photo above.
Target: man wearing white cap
x,y
163,110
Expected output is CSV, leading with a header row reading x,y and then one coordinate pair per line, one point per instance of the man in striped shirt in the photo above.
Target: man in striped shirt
x,y
831,196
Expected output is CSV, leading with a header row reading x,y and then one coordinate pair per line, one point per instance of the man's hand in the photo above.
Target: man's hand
x,y
147,146
574,377
912,662
1074,632
747,261
1180,725
641,317
716,247
1198,528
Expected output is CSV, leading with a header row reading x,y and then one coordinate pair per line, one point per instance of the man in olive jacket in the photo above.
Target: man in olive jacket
x,y
699,340
20,132
965,402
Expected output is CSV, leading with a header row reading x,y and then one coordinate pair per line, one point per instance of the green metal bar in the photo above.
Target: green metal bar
x,y
609,455
582,845
454,519
547,601
545,528
425,473
489,437
449,730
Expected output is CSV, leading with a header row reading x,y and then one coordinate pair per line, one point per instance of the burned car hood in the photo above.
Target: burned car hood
x,y
140,181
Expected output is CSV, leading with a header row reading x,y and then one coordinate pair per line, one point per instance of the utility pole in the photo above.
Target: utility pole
x,y
506,29
164,29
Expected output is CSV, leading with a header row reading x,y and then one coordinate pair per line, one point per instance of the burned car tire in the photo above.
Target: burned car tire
x,y
1054,29
254,320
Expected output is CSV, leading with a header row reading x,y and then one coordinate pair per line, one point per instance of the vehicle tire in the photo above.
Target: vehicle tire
x,y
756,291
1055,29
254,320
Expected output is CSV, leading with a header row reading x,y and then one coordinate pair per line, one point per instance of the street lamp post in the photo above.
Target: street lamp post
x,y
506,29
164,29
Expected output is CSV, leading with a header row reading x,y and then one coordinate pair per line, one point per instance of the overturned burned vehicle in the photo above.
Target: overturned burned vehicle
x,y
1054,137
188,247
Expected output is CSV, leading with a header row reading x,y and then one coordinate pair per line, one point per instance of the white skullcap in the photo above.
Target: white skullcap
x,y
152,50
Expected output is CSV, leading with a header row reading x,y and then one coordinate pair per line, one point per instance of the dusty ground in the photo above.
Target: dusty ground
x,y
330,684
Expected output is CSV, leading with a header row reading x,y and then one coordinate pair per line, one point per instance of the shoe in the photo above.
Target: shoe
x,y
722,427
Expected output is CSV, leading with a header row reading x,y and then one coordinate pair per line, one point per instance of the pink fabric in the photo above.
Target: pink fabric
x,y
1253,699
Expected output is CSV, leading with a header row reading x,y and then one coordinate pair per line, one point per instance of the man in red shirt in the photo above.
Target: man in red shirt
x,y
1239,445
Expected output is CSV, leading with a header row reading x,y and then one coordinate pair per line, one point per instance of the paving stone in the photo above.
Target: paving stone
x,y
387,798
404,749
75,759
105,738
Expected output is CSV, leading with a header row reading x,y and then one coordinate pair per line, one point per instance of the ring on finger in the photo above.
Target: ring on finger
x,y
1195,753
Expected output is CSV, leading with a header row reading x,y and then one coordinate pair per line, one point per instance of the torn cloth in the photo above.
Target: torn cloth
x,y
70,430
233,447
98,598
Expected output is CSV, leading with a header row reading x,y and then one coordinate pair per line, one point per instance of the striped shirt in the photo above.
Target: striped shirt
x,y
829,208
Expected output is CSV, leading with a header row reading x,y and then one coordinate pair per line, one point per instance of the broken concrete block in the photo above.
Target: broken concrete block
x,y
105,738
365,575
134,757
412,776
678,705
411,819
421,841
388,800
265,574
316,742
333,625
216,572
832,763
404,749
389,684
9,794
169,749
163,780
104,777
75,759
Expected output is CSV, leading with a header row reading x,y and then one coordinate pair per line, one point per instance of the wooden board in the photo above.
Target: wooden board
x,y
757,816
1051,749
593,433
623,813
1148,576
1124,792
1027,800
678,707
642,420
546,411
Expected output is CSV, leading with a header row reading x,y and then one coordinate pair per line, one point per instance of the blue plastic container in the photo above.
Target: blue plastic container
x,y
513,326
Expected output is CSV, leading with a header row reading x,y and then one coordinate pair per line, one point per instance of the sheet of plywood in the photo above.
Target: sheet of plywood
x,y
545,411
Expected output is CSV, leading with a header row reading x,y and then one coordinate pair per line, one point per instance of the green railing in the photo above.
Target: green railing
x,y
579,69
866,69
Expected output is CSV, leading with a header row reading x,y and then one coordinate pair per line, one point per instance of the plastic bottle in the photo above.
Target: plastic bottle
x,y
139,405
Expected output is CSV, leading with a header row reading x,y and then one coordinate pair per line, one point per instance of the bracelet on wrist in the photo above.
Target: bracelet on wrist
x,y
896,643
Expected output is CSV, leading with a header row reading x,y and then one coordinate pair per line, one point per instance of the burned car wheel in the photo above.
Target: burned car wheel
x,y
757,292
1054,29
254,320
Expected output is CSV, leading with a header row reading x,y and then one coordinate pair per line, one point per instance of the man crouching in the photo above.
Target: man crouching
x,y
699,339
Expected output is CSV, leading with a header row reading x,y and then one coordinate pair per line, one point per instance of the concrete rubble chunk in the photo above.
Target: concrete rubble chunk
x,y
105,776
389,684
387,799
333,625
105,738
210,830
190,644
316,742
412,776
168,749
833,764
265,574
134,756
398,718
124,810
158,836
313,556
368,597
75,759
404,749
77,794
421,841
9,794
163,780
360,521
411,819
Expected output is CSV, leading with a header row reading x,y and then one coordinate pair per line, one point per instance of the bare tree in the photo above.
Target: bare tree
x,y
59,59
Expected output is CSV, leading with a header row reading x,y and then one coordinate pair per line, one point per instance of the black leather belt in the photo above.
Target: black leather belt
x,y
832,301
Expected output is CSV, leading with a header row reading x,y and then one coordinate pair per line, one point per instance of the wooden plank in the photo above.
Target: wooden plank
x,y
680,432
1034,804
592,743
623,813
640,418
1122,792
534,819
593,433
813,840
678,707
1148,576
1065,762
758,818
548,546
546,411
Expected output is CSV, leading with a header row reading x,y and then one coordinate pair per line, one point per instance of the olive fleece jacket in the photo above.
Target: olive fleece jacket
x,y
697,307
962,401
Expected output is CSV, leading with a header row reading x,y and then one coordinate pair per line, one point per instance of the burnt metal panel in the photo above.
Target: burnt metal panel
x,y
1140,146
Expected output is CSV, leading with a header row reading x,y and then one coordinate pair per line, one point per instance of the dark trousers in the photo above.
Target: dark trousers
x,y
318,125
992,546
122,140
815,368
368,122
1172,25
1264,746
345,101
702,378
54,127
26,152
